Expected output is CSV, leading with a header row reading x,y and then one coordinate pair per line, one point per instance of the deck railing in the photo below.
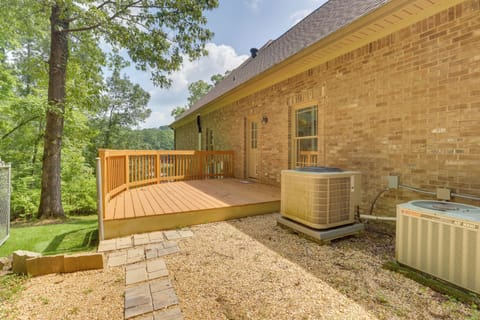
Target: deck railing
x,y
307,158
125,169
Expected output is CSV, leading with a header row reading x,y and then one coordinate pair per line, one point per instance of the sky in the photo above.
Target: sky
x,y
238,26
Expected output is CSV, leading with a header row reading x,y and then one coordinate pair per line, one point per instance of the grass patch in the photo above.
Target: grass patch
x,y
75,234
438,285
10,286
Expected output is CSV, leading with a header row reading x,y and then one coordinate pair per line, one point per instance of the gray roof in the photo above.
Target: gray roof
x,y
330,17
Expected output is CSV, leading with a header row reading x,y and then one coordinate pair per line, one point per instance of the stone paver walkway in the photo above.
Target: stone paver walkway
x,y
149,294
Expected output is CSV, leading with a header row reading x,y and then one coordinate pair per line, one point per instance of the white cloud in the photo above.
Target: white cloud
x,y
253,5
220,59
156,119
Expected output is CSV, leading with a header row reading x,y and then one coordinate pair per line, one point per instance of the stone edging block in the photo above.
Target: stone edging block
x,y
85,261
61,264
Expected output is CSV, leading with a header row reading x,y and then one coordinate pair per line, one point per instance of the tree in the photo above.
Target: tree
x,y
155,33
177,111
125,105
196,91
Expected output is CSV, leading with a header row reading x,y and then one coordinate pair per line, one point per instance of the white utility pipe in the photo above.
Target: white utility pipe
x,y
369,217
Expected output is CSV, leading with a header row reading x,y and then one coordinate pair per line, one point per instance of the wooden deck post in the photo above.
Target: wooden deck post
x,y
157,167
127,171
100,199
103,179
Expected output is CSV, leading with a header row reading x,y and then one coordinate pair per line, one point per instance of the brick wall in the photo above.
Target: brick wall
x,y
407,104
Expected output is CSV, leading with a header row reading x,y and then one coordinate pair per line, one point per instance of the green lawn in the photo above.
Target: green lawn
x,y
75,234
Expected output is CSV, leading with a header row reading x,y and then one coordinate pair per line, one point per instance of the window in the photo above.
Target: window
x,y
305,138
253,135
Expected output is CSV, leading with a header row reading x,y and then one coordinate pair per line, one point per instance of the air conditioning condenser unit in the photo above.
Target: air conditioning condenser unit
x,y
319,197
441,239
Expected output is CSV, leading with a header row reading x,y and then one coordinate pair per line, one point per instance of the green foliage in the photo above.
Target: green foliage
x,y
124,105
196,91
147,139
78,183
155,34
72,235
177,111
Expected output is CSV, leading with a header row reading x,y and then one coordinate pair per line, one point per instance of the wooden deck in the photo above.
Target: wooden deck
x,y
182,203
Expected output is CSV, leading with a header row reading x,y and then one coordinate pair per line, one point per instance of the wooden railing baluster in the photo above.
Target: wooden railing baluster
x,y
124,169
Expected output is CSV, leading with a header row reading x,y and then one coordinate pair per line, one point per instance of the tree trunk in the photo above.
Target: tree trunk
x,y
51,197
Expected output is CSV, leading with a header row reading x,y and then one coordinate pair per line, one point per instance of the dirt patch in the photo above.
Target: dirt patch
x,y
82,295
252,269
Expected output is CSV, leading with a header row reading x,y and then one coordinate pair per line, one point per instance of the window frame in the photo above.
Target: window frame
x,y
311,156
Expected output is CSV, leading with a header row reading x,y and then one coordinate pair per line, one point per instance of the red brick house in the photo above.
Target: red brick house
x,y
382,87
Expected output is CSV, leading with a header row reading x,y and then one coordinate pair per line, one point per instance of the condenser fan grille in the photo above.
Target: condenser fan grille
x,y
332,200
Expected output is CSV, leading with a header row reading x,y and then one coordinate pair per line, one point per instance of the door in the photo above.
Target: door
x,y
253,156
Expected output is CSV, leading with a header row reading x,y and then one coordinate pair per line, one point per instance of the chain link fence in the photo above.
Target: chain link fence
x,y
5,174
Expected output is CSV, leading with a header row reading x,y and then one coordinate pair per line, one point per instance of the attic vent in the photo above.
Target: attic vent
x,y
253,52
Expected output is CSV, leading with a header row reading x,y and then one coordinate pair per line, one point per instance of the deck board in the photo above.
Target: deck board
x,y
199,199
129,211
187,196
156,207
138,206
144,201
186,201
183,203
120,206
164,205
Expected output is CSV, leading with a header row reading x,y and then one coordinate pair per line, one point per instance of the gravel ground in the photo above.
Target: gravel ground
x,y
81,295
252,269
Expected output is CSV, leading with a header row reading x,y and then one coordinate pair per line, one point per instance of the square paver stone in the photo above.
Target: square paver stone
x,y
135,255
136,275
151,253
140,239
156,236
155,246
116,259
146,317
157,274
138,300
156,265
124,243
160,285
164,298
169,314
185,233
172,234
170,244
138,310
136,266
165,251
107,245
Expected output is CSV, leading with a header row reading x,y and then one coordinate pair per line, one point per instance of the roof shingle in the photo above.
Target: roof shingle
x,y
327,19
